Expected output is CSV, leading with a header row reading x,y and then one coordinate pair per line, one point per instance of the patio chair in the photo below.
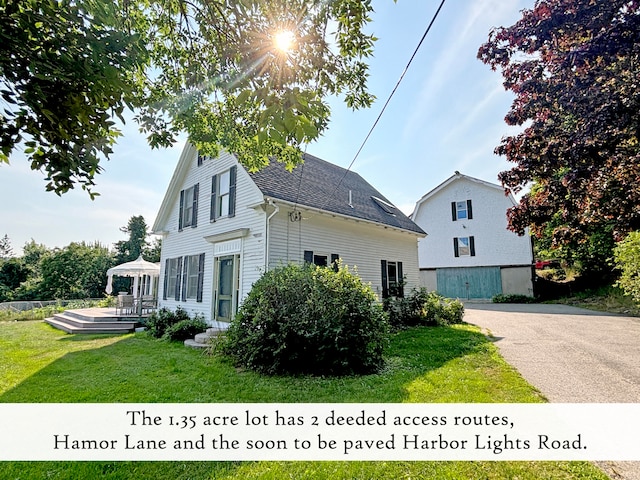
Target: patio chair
x,y
148,303
124,306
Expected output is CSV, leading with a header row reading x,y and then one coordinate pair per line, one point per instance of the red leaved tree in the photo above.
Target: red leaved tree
x,y
574,67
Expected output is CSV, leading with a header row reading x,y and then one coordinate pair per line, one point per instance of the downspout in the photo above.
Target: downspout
x,y
266,234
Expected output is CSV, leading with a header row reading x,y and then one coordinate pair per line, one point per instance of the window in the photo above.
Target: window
x,y
202,158
464,247
385,206
321,259
172,271
461,210
188,207
392,279
191,275
184,278
223,194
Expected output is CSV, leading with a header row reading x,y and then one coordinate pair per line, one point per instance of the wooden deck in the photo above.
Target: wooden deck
x,y
95,320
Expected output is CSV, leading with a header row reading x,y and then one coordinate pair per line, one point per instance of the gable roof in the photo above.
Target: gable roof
x,y
311,184
454,178
321,185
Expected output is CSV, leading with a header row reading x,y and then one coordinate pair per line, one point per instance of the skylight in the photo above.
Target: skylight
x,y
386,206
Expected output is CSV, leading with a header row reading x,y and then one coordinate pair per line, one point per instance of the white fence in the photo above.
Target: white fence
x,y
24,305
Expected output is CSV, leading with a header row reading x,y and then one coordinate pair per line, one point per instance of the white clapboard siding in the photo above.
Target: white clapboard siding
x,y
193,241
494,244
360,245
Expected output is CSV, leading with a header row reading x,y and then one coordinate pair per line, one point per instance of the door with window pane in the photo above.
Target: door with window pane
x,y
225,289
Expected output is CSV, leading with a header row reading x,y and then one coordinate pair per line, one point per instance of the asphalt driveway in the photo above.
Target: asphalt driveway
x,y
571,355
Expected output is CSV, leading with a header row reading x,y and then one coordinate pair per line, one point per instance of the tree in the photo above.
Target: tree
x,y
134,246
6,251
573,66
32,255
206,67
76,271
12,273
65,72
627,258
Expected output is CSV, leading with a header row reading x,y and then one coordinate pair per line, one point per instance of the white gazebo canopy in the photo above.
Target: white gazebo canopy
x,y
137,269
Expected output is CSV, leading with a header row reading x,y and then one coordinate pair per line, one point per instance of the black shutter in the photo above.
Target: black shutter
x,y
400,290
469,210
200,277
334,261
456,252
185,278
194,213
385,281
178,278
200,159
214,190
166,279
308,256
180,220
454,212
472,246
232,191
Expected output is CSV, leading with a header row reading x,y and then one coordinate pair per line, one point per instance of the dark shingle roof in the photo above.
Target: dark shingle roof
x,y
313,184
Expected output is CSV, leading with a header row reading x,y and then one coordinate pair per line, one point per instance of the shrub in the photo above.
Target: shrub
x,y
308,320
184,329
422,307
512,298
627,260
160,320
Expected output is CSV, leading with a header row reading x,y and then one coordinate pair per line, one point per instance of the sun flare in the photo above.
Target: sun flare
x,y
284,40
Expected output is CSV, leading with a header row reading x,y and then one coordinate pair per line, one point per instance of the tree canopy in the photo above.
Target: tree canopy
x,y
210,68
574,67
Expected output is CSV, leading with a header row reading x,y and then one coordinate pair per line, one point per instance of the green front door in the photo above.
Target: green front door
x,y
225,292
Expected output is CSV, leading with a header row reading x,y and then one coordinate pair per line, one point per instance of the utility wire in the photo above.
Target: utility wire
x,y
433,19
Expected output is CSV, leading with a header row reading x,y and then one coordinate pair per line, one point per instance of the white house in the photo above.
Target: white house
x,y
222,227
469,253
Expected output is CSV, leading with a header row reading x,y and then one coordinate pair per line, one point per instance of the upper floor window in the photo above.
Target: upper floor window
x,y
188,216
461,210
464,247
223,194
202,158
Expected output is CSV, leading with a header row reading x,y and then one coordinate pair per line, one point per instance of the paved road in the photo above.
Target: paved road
x,y
570,354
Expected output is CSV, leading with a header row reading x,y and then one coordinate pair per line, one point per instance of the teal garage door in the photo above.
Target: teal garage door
x,y
471,282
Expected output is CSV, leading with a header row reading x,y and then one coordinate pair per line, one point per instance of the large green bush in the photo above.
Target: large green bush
x,y
184,329
308,320
512,298
422,307
627,260
161,320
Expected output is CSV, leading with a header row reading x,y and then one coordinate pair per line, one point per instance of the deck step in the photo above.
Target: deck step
x,y
75,321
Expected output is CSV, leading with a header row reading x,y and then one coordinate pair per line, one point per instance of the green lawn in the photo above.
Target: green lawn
x,y
40,364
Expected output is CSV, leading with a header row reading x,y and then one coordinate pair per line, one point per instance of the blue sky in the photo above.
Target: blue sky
x,y
447,115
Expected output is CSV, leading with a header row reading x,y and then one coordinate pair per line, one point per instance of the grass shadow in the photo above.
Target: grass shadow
x,y
430,364
141,369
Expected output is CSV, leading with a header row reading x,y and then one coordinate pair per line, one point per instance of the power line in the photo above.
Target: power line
x,y
433,19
